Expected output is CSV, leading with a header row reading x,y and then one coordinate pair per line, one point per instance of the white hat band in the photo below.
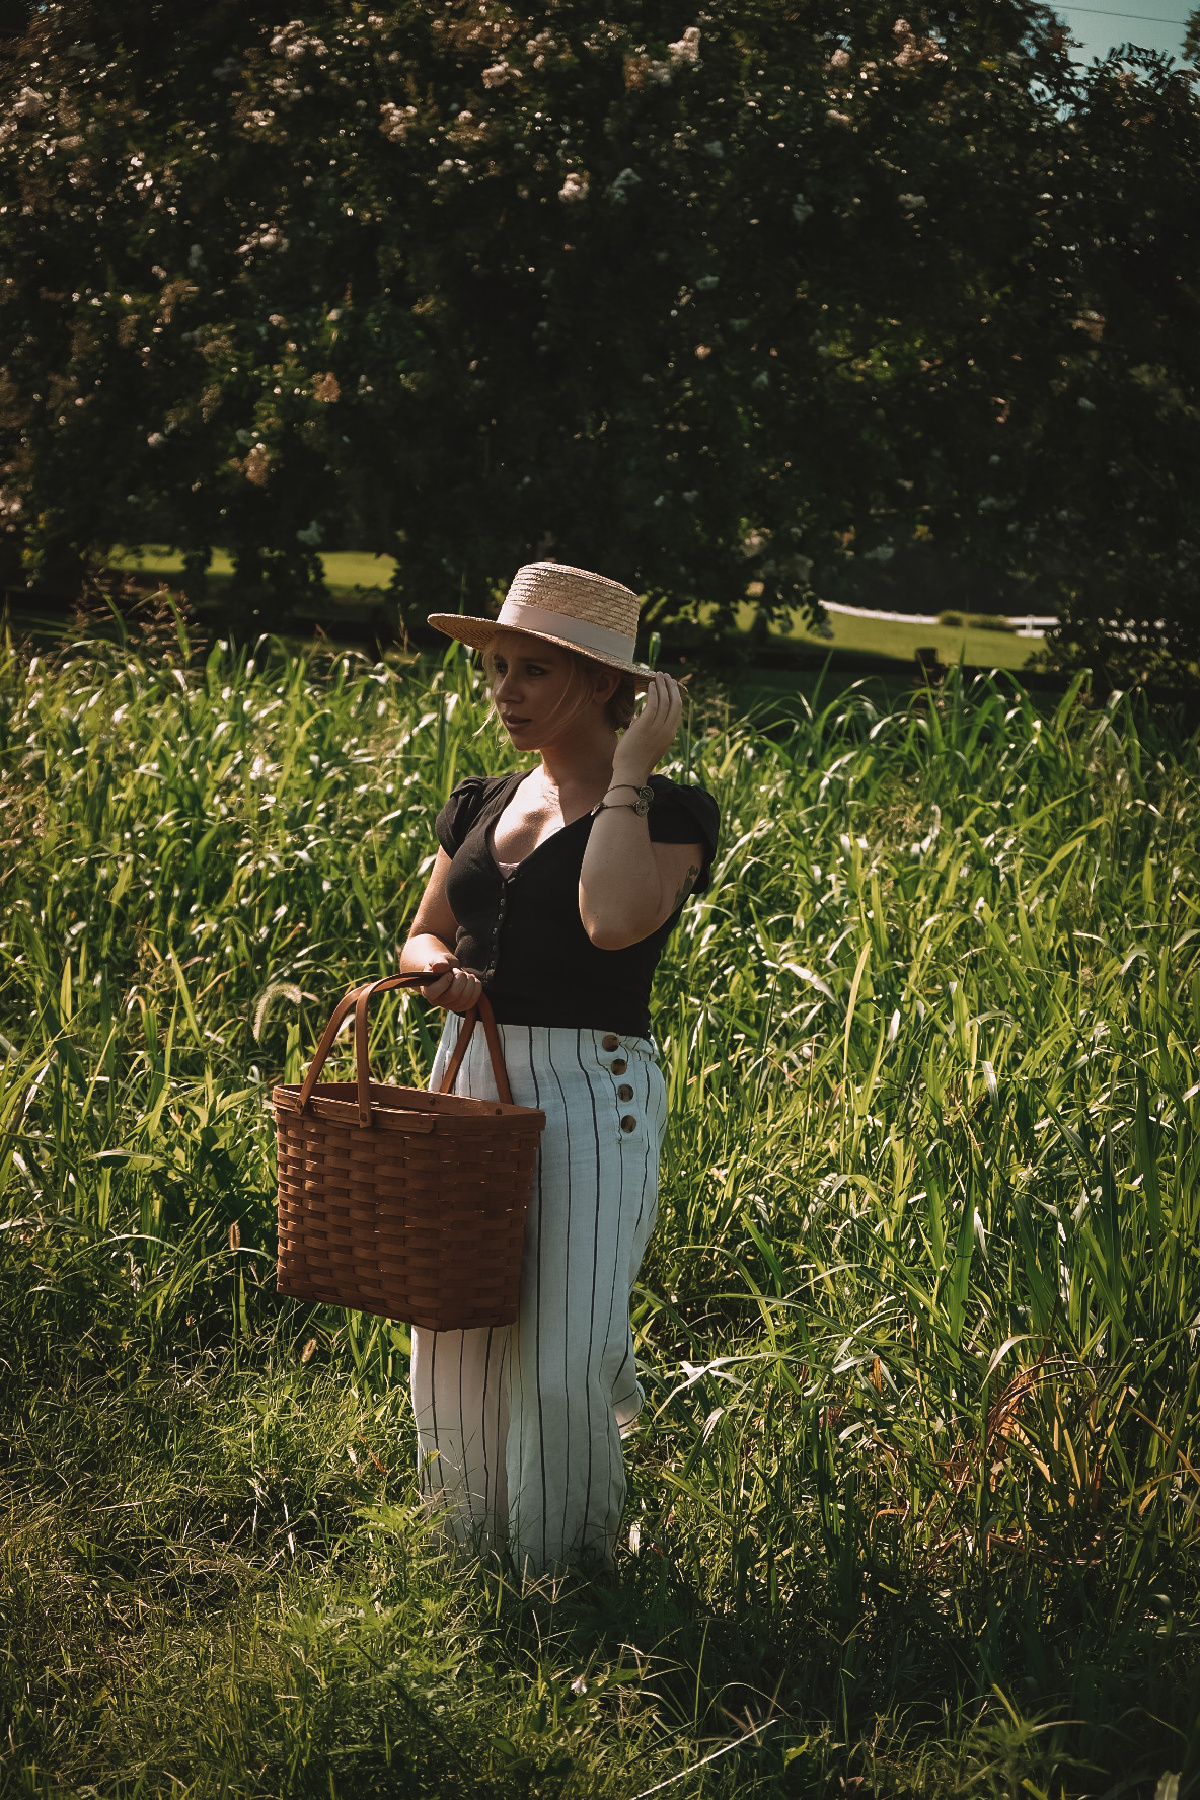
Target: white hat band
x,y
518,614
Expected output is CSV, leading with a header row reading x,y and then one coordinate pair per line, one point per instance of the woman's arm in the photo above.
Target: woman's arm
x,y
427,949
629,886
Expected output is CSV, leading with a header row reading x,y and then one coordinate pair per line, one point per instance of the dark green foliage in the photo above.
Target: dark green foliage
x,y
813,298
1122,551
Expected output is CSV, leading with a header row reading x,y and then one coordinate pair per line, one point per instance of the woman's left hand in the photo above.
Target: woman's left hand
x,y
650,735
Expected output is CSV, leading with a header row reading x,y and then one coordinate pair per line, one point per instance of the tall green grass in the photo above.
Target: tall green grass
x,y
913,1509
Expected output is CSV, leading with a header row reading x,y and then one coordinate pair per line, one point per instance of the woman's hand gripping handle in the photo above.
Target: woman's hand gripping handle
x,y
449,985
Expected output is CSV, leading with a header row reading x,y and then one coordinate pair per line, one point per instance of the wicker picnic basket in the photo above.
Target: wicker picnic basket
x,y
401,1202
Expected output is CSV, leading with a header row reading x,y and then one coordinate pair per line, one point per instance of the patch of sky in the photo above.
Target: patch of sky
x,y
1146,24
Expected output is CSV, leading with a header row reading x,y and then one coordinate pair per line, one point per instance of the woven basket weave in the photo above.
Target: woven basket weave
x,y
401,1202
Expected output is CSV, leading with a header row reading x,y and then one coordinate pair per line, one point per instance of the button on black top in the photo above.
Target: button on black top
x,y
526,933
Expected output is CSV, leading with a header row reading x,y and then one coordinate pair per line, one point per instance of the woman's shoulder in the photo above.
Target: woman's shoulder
x,y
477,790
468,801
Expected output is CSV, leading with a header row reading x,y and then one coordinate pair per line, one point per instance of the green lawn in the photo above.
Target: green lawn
x,y
347,572
897,638
351,575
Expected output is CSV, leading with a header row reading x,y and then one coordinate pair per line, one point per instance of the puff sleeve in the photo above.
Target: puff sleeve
x,y
685,815
460,812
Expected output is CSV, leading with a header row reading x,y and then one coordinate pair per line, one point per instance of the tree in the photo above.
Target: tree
x,y
768,290
1117,444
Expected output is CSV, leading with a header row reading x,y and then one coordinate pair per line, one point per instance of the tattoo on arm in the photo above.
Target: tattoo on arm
x,y
689,882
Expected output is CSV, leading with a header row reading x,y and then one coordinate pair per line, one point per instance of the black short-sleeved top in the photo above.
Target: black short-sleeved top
x,y
524,935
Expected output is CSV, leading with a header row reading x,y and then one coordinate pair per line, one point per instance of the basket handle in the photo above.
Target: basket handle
x,y
359,999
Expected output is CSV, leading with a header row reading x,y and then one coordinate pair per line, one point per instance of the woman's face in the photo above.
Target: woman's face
x,y
530,683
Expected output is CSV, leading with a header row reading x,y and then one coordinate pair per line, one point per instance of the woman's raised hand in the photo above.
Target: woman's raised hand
x,y
651,734
445,984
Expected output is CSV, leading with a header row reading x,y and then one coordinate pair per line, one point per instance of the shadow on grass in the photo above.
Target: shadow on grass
x,y
219,1580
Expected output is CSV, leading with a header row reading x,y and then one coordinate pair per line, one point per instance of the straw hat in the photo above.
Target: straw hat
x,y
572,608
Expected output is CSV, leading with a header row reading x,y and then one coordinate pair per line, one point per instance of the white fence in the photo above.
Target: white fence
x,y
1024,624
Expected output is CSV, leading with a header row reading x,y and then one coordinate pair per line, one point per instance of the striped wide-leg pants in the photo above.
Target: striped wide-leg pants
x,y
519,1427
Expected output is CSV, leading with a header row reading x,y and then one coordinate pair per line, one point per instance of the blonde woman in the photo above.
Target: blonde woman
x,y
554,891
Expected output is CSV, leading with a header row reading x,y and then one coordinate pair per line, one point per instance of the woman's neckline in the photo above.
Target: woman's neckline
x,y
508,869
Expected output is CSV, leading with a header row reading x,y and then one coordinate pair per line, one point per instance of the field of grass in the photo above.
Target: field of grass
x,y
915,1505
352,575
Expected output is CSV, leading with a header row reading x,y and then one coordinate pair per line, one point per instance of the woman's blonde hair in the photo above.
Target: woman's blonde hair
x,y
581,672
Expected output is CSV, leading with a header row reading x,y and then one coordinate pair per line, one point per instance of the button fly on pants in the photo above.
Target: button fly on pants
x,y
519,1429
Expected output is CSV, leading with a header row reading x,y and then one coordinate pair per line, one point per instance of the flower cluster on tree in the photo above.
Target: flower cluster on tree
x,y
786,292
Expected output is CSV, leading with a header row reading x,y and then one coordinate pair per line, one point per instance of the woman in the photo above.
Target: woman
x,y
554,891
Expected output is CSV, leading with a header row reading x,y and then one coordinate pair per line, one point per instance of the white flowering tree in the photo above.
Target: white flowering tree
x,y
806,296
